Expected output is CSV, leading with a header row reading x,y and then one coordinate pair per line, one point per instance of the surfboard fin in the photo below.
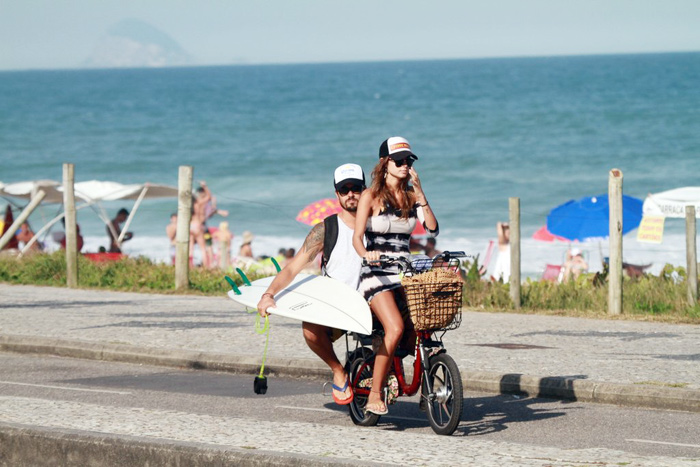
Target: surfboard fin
x,y
277,265
233,285
243,276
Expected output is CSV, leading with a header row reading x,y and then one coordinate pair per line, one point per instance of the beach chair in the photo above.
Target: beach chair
x,y
552,272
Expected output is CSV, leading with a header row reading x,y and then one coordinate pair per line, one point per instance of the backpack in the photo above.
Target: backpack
x,y
330,238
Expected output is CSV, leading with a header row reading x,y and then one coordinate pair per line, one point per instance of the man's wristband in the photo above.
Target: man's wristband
x,y
268,293
423,205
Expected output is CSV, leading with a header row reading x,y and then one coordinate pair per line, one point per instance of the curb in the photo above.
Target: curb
x,y
30,445
554,387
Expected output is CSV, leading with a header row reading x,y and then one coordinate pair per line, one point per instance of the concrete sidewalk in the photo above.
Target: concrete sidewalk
x,y
628,363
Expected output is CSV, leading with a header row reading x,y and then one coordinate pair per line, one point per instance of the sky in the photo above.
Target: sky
x,y
48,34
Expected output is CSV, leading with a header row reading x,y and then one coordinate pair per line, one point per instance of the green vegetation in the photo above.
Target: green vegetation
x,y
129,274
659,298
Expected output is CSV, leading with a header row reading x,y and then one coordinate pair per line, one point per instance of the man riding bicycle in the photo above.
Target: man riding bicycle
x,y
332,238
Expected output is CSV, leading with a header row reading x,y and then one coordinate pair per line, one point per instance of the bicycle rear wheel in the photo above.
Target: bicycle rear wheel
x,y
361,370
443,392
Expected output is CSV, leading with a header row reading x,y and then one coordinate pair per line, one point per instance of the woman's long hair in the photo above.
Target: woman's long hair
x,y
379,190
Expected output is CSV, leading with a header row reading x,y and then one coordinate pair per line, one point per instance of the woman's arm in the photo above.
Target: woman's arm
x,y
364,207
430,220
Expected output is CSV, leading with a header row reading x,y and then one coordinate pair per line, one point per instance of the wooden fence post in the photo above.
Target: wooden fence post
x,y
691,255
514,211
615,232
182,235
71,229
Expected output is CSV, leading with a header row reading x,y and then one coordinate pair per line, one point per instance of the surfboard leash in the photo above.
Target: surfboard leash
x,y
260,383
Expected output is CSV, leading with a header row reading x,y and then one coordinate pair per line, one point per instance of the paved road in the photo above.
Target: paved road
x,y
634,353
635,363
217,408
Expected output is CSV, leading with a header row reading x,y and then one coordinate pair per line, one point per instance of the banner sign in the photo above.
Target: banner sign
x,y
651,229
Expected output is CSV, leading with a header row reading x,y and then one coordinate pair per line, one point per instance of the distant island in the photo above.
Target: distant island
x,y
132,43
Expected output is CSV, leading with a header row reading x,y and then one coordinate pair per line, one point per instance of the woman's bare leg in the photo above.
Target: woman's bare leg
x,y
384,307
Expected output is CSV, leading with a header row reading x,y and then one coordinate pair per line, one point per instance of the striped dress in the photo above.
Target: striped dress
x,y
390,235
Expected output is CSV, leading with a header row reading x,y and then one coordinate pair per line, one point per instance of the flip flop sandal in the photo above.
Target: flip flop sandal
x,y
339,389
376,408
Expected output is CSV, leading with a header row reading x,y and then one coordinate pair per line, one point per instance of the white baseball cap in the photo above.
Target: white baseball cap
x,y
348,173
397,148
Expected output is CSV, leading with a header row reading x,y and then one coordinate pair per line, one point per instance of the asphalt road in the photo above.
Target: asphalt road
x,y
526,421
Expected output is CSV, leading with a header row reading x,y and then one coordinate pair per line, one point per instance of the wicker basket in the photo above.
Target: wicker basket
x,y
434,299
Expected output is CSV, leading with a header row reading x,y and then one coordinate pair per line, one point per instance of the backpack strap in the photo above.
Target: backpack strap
x,y
330,237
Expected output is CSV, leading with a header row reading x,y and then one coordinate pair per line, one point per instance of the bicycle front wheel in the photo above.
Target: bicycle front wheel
x,y
443,393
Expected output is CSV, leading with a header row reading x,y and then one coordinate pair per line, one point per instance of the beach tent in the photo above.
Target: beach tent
x,y
28,189
96,191
91,193
672,203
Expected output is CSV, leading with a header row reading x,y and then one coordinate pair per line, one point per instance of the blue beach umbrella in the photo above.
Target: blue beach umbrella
x,y
588,218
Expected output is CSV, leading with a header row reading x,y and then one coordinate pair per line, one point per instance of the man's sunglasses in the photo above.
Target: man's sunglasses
x,y
408,161
347,189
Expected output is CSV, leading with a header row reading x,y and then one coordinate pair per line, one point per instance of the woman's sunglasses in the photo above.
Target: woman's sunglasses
x,y
408,161
347,189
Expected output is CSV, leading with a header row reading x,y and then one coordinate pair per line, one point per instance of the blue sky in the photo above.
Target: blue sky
x,y
62,33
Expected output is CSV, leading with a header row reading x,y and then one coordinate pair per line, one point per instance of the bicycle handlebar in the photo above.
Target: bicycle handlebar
x,y
406,263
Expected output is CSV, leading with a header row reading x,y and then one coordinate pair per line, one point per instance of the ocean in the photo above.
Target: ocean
x,y
267,138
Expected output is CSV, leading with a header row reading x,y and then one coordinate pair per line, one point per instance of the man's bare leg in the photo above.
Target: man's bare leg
x,y
319,342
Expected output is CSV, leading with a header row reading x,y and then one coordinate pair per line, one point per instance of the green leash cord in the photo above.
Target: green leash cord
x,y
260,383
264,330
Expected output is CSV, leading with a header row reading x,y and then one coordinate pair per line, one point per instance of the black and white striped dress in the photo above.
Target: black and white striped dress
x,y
390,235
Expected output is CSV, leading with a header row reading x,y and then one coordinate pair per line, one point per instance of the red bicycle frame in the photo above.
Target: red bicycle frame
x,y
404,388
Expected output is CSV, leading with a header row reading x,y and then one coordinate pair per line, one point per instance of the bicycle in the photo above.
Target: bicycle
x,y
435,306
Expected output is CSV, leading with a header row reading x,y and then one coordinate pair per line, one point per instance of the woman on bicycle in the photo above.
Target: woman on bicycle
x,y
386,215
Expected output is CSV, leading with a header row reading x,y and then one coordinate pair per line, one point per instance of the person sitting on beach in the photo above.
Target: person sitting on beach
x,y
246,251
25,235
574,265
79,237
115,231
342,264
386,215
502,269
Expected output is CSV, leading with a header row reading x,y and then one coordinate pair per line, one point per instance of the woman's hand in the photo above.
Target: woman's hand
x,y
415,181
372,256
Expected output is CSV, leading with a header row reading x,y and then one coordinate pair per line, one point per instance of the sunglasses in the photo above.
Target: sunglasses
x,y
347,189
408,161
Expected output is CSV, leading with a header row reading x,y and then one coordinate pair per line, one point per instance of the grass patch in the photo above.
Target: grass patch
x,y
128,274
648,298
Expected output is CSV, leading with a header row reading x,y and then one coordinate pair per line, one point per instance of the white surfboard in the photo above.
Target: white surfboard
x,y
314,299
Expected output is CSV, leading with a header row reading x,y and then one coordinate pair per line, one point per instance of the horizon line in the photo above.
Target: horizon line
x,y
337,62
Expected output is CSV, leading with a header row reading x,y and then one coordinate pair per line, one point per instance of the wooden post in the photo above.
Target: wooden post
x,y
514,210
182,235
691,255
71,229
615,226
22,217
